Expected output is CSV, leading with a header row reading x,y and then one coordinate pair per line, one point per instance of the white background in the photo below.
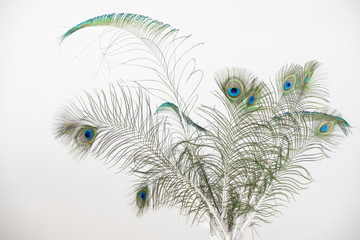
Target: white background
x,y
46,195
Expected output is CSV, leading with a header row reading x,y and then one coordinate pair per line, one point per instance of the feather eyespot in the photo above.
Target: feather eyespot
x,y
252,99
307,77
325,127
234,89
289,83
142,196
86,135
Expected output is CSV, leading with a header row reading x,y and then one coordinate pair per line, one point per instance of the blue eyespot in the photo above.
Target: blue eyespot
x,y
234,88
251,100
88,133
307,77
287,85
234,91
143,195
324,128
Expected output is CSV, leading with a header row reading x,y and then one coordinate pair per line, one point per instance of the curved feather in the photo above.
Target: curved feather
x,y
319,117
171,64
139,25
174,108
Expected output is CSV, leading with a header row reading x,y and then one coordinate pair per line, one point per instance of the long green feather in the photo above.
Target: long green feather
x,y
137,24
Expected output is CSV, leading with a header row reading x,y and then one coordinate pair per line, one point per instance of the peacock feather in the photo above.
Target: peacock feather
x,y
142,199
232,173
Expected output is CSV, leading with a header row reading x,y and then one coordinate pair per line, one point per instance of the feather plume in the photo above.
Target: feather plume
x,y
232,173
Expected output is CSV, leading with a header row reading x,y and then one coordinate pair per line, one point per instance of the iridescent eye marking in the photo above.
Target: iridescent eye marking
x,y
307,77
325,127
252,99
234,88
142,197
289,83
86,135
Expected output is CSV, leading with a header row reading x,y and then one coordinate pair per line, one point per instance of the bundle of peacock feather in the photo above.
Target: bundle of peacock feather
x,y
232,173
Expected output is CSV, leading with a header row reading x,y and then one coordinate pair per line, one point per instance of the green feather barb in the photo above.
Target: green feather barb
x,y
132,22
